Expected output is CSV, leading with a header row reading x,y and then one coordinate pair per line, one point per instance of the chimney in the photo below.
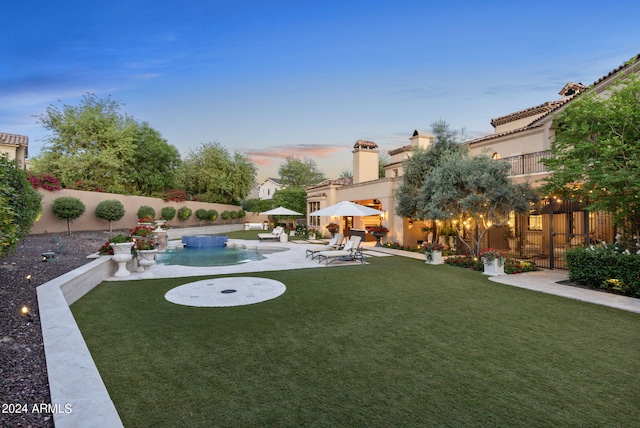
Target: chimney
x,y
421,139
365,161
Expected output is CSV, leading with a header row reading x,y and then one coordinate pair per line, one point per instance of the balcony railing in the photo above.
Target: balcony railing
x,y
527,164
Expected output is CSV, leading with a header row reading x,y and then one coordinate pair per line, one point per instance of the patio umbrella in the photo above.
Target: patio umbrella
x,y
346,208
281,211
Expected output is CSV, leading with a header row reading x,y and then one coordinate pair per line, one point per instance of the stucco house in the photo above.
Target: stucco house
x,y
268,187
521,138
15,146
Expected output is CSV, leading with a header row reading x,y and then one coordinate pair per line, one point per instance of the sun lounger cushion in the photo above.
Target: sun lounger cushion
x,y
274,234
334,244
350,250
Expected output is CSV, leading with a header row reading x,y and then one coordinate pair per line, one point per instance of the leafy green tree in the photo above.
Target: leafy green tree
x,y
383,159
19,205
154,163
476,191
292,197
96,144
299,173
216,175
595,156
256,205
419,165
110,210
68,208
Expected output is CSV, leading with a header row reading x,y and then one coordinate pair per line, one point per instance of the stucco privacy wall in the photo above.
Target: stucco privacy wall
x,y
48,223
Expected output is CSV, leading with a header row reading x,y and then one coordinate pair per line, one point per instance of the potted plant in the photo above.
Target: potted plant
x,y
122,246
142,233
378,231
433,253
146,220
146,254
493,261
333,228
512,236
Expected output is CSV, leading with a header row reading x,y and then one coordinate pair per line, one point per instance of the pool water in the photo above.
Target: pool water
x,y
212,256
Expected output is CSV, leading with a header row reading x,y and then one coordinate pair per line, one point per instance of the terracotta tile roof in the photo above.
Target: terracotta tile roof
x,y
13,139
501,134
344,181
600,80
400,150
364,144
317,195
556,105
542,108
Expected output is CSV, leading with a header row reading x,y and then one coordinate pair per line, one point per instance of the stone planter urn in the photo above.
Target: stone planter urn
x,y
146,259
378,236
493,268
122,255
434,257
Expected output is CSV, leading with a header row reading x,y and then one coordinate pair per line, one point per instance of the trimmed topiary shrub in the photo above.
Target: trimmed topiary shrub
x,y
146,211
184,213
224,215
602,267
233,215
202,214
68,208
110,210
212,215
168,213
242,213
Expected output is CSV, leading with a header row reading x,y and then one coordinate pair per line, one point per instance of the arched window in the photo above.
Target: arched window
x,y
496,156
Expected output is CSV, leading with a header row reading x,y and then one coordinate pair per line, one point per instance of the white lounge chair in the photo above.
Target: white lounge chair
x,y
274,234
351,251
334,244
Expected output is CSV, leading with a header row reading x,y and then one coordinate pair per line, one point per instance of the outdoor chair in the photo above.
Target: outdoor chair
x,y
351,251
334,244
274,234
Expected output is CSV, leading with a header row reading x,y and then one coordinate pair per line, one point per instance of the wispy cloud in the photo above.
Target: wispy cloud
x,y
270,155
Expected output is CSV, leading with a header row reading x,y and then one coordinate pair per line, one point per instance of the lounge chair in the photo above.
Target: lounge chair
x,y
351,251
274,234
334,244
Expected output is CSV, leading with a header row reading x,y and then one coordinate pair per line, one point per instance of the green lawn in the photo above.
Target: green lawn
x,y
391,343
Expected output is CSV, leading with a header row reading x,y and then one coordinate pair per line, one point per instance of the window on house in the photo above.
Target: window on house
x,y
314,220
535,222
496,156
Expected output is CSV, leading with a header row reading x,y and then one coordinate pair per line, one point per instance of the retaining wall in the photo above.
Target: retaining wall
x,y
48,223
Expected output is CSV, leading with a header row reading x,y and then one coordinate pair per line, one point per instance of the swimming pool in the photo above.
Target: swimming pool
x,y
213,256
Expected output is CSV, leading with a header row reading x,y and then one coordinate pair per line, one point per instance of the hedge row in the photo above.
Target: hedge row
x,y
602,268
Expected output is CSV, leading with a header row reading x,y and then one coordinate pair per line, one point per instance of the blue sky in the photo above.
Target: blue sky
x,y
303,78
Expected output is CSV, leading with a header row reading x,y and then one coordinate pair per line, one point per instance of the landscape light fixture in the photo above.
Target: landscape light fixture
x,y
29,278
27,313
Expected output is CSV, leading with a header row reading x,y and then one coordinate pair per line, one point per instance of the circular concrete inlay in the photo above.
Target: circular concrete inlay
x,y
222,292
